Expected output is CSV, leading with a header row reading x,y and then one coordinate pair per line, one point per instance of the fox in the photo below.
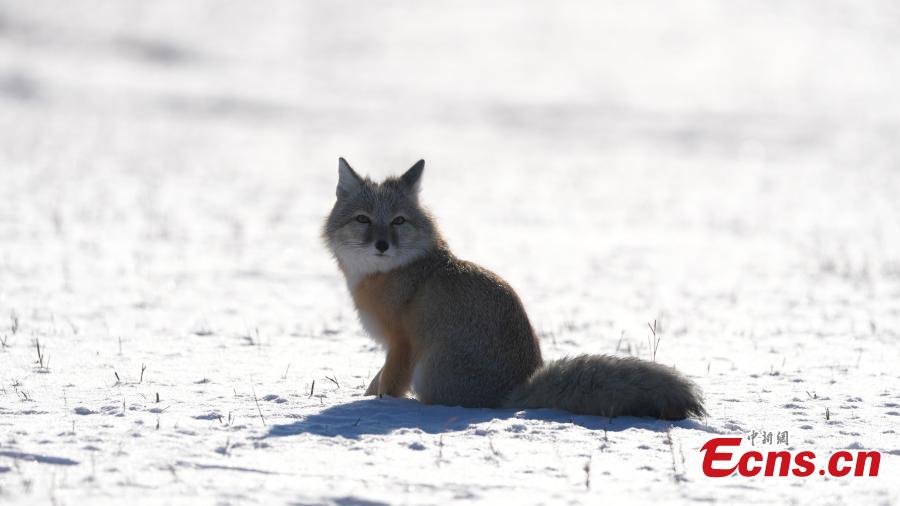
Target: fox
x,y
457,334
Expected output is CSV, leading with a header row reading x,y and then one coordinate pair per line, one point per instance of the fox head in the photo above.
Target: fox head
x,y
377,227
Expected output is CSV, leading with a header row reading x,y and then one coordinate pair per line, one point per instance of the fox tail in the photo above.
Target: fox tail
x,y
610,386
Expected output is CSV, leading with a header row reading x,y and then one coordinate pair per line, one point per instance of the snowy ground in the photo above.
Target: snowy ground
x,y
732,171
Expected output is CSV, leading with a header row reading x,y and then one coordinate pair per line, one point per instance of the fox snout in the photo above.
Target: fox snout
x,y
380,235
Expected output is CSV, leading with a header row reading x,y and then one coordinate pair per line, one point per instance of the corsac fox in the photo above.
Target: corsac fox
x,y
456,333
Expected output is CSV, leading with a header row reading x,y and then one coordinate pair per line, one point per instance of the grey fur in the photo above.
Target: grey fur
x,y
413,177
610,386
349,181
464,337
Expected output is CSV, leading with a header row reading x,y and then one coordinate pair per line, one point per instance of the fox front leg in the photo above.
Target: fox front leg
x,y
396,375
373,386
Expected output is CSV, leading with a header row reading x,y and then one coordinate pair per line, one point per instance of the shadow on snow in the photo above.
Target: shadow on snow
x,y
385,415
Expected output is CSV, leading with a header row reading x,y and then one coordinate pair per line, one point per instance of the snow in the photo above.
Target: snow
x,y
729,170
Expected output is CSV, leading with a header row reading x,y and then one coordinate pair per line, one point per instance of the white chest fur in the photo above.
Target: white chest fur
x,y
371,326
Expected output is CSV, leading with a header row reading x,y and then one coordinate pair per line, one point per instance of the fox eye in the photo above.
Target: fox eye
x,y
399,220
362,218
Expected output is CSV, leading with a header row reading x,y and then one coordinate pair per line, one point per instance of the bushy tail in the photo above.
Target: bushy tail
x,y
610,386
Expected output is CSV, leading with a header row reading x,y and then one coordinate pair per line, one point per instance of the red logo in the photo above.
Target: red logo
x,y
720,461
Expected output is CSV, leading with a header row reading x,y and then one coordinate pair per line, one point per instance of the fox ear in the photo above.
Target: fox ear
x,y
412,178
349,181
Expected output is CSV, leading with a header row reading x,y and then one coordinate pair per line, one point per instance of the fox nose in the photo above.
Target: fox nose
x,y
381,246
